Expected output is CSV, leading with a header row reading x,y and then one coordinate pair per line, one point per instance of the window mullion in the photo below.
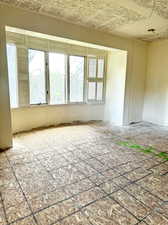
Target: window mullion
x,y
87,79
85,91
68,80
37,77
47,78
96,78
65,79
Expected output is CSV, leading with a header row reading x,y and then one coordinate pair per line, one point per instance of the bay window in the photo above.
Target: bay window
x,y
58,78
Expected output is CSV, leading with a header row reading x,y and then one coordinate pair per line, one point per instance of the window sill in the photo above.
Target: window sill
x,y
58,105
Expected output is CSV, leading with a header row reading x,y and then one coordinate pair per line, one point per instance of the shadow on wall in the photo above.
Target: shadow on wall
x,y
115,86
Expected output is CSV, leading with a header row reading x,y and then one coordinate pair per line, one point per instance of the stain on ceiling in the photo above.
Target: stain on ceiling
x,y
127,18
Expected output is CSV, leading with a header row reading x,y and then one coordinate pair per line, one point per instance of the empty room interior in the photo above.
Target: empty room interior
x,y
84,112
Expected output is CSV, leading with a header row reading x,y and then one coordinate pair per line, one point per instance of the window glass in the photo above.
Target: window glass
x,y
12,75
100,72
37,83
99,91
76,64
57,75
92,62
91,90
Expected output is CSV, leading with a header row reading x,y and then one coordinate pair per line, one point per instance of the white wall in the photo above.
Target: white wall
x,y
5,118
135,85
156,94
115,87
33,117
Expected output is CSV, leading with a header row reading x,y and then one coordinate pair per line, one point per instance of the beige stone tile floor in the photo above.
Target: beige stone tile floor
x,y
79,175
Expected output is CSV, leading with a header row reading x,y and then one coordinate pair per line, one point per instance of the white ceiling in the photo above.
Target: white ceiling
x,y
128,18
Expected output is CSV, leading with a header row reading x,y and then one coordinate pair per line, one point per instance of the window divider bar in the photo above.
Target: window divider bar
x,y
65,79
85,86
47,73
96,78
68,79
104,78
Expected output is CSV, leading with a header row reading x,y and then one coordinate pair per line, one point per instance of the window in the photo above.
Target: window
x,y
57,78
95,79
76,65
99,91
100,72
92,67
37,80
12,75
91,90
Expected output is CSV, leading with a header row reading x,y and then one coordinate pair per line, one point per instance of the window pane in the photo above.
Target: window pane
x,y
100,68
57,69
12,74
91,90
76,78
37,83
92,67
99,91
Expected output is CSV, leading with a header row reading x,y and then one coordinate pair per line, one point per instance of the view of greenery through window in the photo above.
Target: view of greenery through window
x,y
57,76
37,83
76,78
61,82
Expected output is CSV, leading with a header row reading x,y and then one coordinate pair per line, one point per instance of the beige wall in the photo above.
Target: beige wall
x,y
135,75
43,116
135,84
115,87
5,119
156,95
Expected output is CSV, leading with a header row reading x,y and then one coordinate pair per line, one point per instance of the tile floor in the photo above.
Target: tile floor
x,y
80,175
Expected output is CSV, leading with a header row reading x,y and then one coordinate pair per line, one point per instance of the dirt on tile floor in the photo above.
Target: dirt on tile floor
x,y
80,175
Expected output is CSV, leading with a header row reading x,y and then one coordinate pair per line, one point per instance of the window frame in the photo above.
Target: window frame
x,y
67,79
17,77
96,80
45,76
48,77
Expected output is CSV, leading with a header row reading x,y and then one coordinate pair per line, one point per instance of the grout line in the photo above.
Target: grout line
x,y
3,207
22,191
149,192
134,181
98,172
125,208
20,219
61,201
164,173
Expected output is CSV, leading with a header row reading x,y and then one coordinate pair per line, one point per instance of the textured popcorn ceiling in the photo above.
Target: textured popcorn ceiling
x,y
129,18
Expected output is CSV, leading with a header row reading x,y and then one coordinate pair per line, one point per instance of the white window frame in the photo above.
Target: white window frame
x,y
46,77
67,79
96,80
17,78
